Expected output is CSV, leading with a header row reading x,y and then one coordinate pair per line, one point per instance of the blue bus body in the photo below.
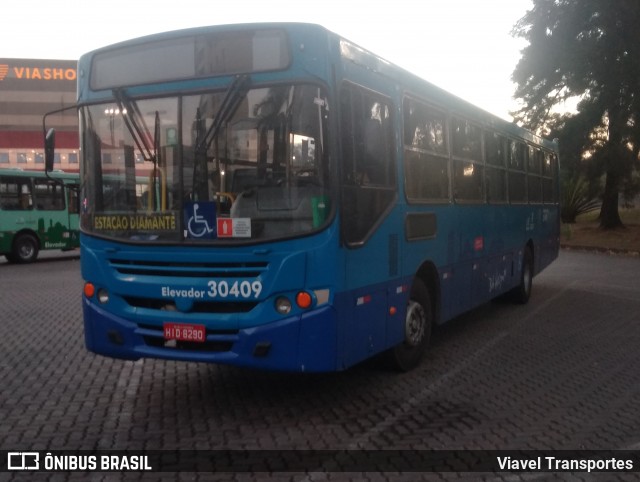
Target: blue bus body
x,y
356,264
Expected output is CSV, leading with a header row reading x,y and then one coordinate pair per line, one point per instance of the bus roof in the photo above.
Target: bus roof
x,y
412,84
19,172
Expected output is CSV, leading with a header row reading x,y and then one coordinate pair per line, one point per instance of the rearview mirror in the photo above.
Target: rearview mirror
x,y
49,149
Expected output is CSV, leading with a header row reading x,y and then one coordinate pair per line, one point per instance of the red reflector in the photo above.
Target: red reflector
x,y
363,299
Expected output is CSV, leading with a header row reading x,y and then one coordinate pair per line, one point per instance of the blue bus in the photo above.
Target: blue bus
x,y
309,205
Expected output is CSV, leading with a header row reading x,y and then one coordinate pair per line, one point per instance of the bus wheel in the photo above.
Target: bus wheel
x,y
522,292
25,249
417,330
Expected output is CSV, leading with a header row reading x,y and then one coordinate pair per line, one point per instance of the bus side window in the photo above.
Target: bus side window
x,y
15,194
49,195
426,152
376,158
517,176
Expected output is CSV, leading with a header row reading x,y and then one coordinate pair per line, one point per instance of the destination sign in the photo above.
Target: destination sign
x,y
135,222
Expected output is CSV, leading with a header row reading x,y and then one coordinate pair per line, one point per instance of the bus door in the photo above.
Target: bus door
x,y
73,211
370,234
55,226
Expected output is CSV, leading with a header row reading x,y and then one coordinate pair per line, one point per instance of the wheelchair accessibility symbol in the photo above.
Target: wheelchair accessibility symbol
x,y
201,220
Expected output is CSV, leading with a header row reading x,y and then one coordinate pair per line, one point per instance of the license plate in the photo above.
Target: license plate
x,y
184,332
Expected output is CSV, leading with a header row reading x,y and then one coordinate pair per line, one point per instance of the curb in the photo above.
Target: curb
x,y
600,249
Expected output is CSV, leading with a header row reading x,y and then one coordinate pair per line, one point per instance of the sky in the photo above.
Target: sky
x,y
463,46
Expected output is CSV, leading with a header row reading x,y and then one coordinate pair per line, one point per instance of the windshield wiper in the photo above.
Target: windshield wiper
x,y
230,103
136,125
134,120
228,106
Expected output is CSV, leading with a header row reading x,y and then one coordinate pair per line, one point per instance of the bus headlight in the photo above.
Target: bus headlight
x,y
283,305
103,296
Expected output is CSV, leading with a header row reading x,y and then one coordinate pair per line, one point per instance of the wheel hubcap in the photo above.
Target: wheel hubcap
x,y
415,324
26,250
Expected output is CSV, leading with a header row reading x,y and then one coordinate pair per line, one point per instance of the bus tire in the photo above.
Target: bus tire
x,y
25,249
521,293
418,326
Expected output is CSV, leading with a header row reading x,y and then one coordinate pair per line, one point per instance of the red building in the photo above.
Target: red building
x,y
29,88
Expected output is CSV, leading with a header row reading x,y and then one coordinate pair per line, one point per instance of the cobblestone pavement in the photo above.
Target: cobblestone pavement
x,y
559,373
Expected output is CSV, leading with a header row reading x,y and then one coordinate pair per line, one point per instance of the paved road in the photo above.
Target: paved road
x,y
559,373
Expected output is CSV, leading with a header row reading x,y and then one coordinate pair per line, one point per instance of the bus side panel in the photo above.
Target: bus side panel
x,y
318,341
442,249
54,231
478,252
6,238
371,320
549,237
363,323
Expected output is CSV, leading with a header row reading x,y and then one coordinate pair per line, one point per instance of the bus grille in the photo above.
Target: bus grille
x,y
197,307
250,269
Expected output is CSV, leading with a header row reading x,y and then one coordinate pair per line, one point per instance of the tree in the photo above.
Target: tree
x,y
587,49
581,186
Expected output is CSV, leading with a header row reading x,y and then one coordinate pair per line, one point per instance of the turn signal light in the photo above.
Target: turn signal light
x,y
89,290
304,300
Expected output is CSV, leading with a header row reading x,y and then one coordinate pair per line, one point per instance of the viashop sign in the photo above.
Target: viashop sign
x,y
19,74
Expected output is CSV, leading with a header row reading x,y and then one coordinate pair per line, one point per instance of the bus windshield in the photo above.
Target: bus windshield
x,y
240,164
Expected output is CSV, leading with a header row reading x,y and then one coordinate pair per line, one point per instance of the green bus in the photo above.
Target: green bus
x,y
37,211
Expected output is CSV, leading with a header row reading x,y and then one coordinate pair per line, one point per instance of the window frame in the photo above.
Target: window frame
x,y
462,160
59,190
517,167
429,155
503,153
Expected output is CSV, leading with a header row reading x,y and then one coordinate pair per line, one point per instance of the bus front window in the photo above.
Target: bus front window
x,y
242,164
